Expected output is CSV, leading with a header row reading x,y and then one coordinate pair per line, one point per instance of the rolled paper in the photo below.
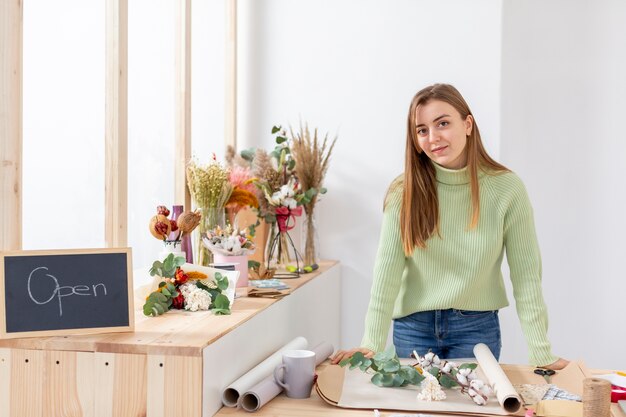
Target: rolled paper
x,y
263,392
507,396
232,393
596,397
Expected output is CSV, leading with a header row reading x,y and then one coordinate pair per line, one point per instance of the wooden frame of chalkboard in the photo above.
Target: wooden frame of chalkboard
x,y
66,292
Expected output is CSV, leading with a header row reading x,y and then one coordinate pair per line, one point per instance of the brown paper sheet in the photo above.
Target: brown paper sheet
x,y
266,390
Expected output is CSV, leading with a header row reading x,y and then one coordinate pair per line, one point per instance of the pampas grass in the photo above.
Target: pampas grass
x,y
312,156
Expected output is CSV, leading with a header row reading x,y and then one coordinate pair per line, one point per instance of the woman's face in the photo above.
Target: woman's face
x,y
442,133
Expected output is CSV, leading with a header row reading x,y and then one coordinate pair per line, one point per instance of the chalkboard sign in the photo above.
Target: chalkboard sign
x,y
58,292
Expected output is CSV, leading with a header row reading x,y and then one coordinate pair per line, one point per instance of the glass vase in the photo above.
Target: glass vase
x,y
211,218
311,239
279,254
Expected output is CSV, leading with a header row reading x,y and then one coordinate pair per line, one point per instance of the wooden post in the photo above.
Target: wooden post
x,y
11,13
230,128
116,126
183,102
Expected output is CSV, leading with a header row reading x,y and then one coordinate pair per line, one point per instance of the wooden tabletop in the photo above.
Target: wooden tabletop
x,y
281,406
177,332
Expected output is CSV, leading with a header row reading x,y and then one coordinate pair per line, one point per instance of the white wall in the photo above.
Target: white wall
x,y
351,68
563,101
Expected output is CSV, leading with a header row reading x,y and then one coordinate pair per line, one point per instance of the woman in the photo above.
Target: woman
x,y
447,222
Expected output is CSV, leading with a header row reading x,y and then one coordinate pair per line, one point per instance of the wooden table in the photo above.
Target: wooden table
x,y
314,406
172,365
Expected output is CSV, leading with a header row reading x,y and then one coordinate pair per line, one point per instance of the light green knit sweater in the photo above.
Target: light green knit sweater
x,y
461,269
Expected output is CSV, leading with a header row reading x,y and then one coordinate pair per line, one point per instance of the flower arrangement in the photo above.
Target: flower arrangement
x,y
280,194
163,228
430,373
191,291
312,157
211,189
229,241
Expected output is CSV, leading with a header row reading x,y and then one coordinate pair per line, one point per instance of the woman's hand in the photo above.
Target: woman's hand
x,y
558,365
343,354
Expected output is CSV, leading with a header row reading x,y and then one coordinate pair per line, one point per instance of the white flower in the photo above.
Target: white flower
x,y
275,199
290,202
462,376
287,190
480,387
429,360
195,298
477,397
431,390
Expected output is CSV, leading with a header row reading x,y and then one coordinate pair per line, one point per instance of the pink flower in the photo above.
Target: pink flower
x,y
239,177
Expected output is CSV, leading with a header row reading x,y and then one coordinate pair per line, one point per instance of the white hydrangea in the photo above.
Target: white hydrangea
x,y
431,389
195,298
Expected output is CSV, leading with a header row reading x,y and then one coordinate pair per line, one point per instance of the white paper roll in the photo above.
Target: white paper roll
x,y
506,394
231,395
261,393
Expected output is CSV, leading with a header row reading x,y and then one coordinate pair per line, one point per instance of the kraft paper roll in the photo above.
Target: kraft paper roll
x,y
232,394
507,396
596,397
266,390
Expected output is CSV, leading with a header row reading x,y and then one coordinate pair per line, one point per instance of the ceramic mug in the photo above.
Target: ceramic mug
x,y
298,373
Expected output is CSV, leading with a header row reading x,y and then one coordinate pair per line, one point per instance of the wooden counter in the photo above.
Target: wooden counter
x,y
172,365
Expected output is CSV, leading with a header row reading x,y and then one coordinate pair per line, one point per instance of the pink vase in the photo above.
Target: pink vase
x,y
241,265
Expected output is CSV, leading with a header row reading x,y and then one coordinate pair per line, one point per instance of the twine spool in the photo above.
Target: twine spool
x,y
596,398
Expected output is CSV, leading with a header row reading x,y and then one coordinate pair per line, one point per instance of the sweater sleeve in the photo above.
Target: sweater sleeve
x,y
524,258
388,269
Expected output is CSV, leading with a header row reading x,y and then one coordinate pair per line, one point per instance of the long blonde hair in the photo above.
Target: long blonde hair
x,y
419,213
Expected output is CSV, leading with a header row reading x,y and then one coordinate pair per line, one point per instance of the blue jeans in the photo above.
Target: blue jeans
x,y
451,334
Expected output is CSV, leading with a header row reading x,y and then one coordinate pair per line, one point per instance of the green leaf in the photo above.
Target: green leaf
x,y
280,139
358,357
221,311
179,261
344,362
222,302
254,264
377,379
391,366
248,154
159,308
291,165
310,193
323,190
275,129
434,371
398,381
157,297
387,380
162,284
222,281
203,287
447,382
166,292
157,266
147,309
471,366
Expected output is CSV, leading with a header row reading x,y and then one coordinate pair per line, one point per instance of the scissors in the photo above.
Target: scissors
x,y
545,373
